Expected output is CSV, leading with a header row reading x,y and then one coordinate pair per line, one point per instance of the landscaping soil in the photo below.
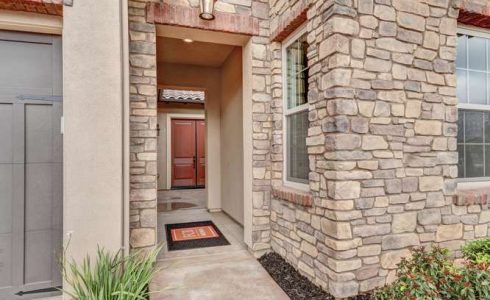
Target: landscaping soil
x,y
295,285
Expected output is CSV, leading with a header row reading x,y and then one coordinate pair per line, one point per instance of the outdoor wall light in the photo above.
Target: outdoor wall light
x,y
207,7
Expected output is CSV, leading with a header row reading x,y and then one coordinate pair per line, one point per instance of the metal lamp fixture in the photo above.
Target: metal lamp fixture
x,y
207,7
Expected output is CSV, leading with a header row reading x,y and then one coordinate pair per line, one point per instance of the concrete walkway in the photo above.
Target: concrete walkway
x,y
214,273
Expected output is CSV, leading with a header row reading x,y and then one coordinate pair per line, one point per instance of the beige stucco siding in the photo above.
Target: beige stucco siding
x,y
232,136
93,130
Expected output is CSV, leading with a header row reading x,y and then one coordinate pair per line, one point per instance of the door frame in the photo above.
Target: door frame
x,y
168,128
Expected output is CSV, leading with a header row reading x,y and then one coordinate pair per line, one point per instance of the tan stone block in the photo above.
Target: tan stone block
x,y
449,232
390,259
428,127
405,222
373,142
343,25
366,108
342,245
333,44
142,237
398,241
344,190
344,265
339,230
369,250
413,108
394,45
481,230
385,12
309,249
336,77
431,183
411,21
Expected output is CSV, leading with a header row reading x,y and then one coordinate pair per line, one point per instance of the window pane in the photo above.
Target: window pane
x,y
462,86
297,162
461,52
297,73
477,53
487,160
460,126
487,127
477,87
473,127
474,161
461,161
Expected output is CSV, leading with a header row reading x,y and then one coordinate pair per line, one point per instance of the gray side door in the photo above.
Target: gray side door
x,y
30,164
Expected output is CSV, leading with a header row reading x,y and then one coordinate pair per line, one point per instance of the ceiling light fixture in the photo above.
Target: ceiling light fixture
x,y
207,7
187,40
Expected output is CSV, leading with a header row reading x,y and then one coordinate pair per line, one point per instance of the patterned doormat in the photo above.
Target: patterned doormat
x,y
192,235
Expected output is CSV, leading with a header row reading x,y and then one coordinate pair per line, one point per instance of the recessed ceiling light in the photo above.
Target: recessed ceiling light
x,y
188,40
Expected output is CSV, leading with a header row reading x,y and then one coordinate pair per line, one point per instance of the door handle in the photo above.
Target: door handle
x,y
194,162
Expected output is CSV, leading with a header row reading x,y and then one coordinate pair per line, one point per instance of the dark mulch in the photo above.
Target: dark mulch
x,y
295,285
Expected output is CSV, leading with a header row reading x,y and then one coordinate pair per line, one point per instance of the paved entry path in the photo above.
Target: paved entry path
x,y
214,273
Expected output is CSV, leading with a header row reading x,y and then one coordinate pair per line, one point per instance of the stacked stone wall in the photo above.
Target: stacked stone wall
x,y
381,143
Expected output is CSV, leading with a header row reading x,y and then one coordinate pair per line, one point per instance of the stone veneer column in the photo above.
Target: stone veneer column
x,y
261,131
382,136
143,127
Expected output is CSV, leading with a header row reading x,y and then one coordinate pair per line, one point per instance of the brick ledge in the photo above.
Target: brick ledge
x,y
46,7
472,196
293,195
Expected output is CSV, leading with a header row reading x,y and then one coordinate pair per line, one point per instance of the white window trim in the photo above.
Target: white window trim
x,y
287,112
478,32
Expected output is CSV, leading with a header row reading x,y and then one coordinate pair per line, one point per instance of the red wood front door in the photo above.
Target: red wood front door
x,y
188,156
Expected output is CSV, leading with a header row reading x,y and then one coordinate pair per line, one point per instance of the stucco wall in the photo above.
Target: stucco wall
x,y
209,79
232,136
93,128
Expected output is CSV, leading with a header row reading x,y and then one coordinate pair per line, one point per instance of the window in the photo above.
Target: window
x,y
473,89
296,109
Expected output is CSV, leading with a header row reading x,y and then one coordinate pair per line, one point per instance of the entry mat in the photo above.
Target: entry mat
x,y
192,235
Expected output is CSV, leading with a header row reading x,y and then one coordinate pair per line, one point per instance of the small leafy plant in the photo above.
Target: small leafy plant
x,y
110,276
477,251
432,275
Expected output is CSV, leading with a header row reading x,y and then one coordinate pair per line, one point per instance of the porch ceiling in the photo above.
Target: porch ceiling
x,y
177,51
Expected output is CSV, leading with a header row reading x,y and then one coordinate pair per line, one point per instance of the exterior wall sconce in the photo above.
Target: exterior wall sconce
x,y
207,7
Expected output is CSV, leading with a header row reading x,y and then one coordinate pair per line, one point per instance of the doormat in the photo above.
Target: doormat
x,y
193,235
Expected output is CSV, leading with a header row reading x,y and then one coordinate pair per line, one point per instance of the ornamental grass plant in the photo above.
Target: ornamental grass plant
x,y
110,276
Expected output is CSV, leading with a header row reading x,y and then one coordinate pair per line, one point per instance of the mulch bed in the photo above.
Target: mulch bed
x,y
295,285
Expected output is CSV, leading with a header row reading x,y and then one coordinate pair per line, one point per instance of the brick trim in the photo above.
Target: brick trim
x,y
292,195
474,18
47,7
290,23
472,197
169,14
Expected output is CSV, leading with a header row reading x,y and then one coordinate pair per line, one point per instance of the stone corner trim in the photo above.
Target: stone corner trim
x,y
290,23
474,18
293,195
472,197
169,14
46,7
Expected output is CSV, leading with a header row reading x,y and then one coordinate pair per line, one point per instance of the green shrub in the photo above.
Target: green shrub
x,y
477,251
111,276
431,275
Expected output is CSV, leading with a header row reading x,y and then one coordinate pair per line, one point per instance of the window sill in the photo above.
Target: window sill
x,y
472,193
293,195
